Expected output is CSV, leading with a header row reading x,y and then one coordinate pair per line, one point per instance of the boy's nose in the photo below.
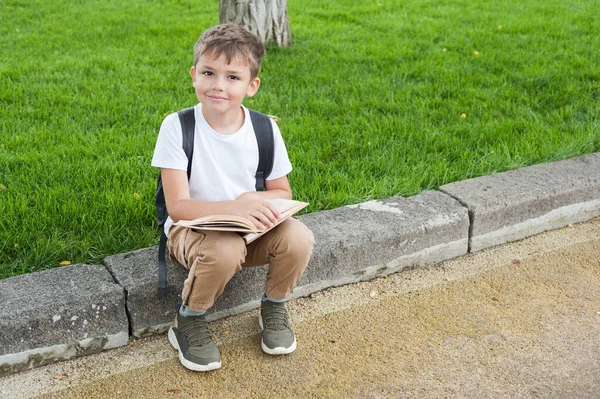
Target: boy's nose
x,y
218,84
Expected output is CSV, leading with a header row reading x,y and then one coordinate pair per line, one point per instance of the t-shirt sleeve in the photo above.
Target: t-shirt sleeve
x,y
168,152
281,162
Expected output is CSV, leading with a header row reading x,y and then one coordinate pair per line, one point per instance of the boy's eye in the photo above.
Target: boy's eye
x,y
233,77
207,73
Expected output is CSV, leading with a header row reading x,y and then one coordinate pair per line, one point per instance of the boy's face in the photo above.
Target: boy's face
x,y
221,87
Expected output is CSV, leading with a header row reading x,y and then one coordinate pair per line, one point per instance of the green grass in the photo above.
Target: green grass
x,y
369,97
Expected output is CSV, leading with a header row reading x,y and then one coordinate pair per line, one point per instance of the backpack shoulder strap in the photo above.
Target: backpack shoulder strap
x,y
263,129
188,126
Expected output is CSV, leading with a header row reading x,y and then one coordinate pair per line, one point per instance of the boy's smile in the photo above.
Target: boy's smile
x,y
221,87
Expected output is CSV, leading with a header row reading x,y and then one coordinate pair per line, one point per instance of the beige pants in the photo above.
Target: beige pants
x,y
213,257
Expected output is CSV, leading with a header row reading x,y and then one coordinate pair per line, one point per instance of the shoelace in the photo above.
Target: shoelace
x,y
196,332
275,317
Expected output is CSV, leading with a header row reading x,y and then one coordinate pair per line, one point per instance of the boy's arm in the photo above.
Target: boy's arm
x,y
181,207
277,188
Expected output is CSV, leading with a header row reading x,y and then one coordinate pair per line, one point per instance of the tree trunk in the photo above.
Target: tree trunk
x,y
267,19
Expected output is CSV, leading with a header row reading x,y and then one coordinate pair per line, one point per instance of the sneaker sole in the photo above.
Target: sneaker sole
x,y
280,350
186,363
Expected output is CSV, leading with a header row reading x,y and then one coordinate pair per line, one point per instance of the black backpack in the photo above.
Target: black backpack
x,y
266,148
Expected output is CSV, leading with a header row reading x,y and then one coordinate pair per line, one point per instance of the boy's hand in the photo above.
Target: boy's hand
x,y
261,213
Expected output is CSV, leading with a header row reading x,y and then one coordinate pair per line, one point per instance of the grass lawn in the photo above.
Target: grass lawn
x,y
375,99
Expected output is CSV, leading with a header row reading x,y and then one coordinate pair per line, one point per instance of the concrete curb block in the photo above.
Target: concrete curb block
x,y
82,309
519,203
59,314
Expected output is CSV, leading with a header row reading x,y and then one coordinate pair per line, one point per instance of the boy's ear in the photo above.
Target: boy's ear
x,y
193,73
253,87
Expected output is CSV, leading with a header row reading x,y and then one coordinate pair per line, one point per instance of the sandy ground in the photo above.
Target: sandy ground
x,y
521,320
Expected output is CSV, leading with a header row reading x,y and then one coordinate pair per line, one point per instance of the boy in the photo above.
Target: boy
x,y
227,59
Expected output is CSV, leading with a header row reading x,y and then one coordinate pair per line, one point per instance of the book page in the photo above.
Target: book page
x,y
281,204
219,222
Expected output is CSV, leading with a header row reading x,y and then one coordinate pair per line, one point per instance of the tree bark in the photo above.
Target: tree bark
x,y
267,19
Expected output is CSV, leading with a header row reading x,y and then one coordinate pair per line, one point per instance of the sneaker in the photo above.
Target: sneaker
x,y
277,337
191,336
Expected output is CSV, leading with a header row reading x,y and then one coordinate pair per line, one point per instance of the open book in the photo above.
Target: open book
x,y
250,232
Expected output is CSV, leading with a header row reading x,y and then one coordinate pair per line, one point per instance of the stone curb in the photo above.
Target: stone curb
x,y
59,314
519,203
82,309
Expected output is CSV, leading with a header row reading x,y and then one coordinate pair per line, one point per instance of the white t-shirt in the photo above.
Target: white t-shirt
x,y
223,166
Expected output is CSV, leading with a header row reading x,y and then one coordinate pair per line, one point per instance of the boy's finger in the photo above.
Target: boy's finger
x,y
273,211
262,221
267,218
272,216
259,224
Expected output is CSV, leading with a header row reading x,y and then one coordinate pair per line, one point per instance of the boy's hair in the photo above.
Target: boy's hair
x,y
232,41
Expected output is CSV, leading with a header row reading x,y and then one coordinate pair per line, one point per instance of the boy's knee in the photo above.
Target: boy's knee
x,y
295,236
306,238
